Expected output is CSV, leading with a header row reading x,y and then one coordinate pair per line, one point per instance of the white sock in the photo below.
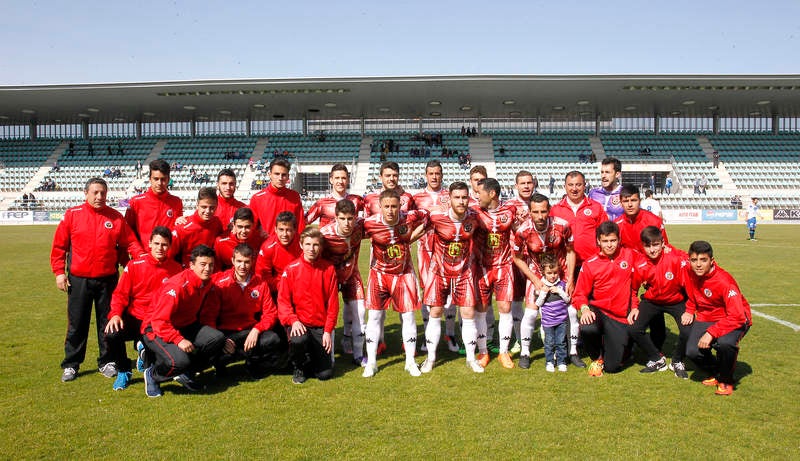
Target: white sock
x,y
450,320
373,333
358,327
517,311
409,335
526,330
480,327
504,331
490,322
433,333
574,330
469,334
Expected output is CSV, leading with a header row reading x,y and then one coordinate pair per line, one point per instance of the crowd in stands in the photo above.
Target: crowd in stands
x,y
736,202
587,158
700,185
112,172
48,184
197,177
233,155
29,201
465,161
467,131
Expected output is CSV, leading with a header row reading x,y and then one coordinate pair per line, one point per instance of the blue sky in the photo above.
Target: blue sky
x,y
78,42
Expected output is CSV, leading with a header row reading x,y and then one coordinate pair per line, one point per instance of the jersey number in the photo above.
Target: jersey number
x,y
454,249
493,240
394,251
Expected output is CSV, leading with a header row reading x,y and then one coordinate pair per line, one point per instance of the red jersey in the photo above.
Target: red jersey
x,y
372,205
630,230
431,201
309,293
273,259
606,283
663,278
195,232
556,239
520,205
324,209
452,242
715,297
269,202
343,251
177,304
494,234
140,279
224,246
390,244
226,208
233,307
91,235
583,221
148,210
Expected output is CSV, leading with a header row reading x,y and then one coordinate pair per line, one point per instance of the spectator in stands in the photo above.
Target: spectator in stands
x,y
120,150
138,169
552,184
668,184
55,167
583,158
715,159
25,201
463,130
653,182
696,185
592,157
32,201
703,184
502,150
91,149
110,152
736,202
71,149
474,131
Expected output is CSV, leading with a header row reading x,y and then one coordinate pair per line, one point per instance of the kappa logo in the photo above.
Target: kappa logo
x,y
707,292
684,263
732,294
254,294
108,225
172,293
623,265
669,276
587,212
170,213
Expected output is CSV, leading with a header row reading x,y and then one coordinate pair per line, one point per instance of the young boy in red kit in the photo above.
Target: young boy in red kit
x,y
242,231
308,305
278,250
201,228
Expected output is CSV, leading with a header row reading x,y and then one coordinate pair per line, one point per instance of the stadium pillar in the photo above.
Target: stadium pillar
x,y
538,125
248,128
33,132
85,129
305,126
480,128
193,127
138,129
597,126
362,126
656,124
775,123
420,125
715,123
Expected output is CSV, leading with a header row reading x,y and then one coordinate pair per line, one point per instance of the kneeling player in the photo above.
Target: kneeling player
x,y
719,316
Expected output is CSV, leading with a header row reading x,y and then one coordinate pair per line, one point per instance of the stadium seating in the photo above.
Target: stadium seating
x,y
335,148
683,147
545,147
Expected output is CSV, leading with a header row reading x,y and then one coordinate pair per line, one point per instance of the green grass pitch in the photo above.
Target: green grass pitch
x,y
450,413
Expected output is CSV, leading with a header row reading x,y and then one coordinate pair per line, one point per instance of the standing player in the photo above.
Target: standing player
x,y
324,209
452,274
226,202
391,276
476,175
201,228
494,266
433,198
242,231
752,213
607,194
719,315
543,234
390,179
88,238
342,246
278,250
276,198
131,303
650,204
605,295
156,206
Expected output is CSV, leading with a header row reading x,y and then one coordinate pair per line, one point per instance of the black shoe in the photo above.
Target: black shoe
x,y
576,361
298,377
188,383
652,367
524,361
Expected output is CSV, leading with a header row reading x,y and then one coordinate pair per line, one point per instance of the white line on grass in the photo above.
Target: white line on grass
x,y
791,325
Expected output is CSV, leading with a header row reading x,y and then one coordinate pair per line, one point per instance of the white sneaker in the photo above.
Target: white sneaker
x,y
516,348
369,371
69,374
413,369
427,366
562,367
475,366
108,370
550,368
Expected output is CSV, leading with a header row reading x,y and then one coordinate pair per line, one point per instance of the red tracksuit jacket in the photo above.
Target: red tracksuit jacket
x,y
715,297
224,246
148,210
140,279
231,307
226,208
273,259
177,304
269,202
663,278
309,293
630,230
195,232
583,224
607,284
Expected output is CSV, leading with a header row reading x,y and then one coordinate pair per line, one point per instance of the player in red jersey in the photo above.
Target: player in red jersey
x,y
241,307
278,250
718,314
523,183
391,276
324,209
155,207
605,294
242,231
226,202
390,179
476,175
661,270
433,198
276,198
131,303
494,268
452,273
540,234
201,228
342,246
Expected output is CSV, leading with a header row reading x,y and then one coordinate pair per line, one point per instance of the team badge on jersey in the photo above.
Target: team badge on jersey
x,y
468,228
623,265
669,276
402,229
454,249
503,219
394,251
493,240
108,225
707,292
170,213
615,199
587,212
254,294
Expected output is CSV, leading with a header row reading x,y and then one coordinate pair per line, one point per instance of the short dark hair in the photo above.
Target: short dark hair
x,y
161,165
345,206
226,172
388,193
389,166
612,161
244,213
91,181
286,217
491,184
161,231
433,164
480,169
339,167
701,247
539,198
458,185
280,162
648,193
573,173
202,251
628,190
521,174
607,228
549,260
244,250
207,193
651,234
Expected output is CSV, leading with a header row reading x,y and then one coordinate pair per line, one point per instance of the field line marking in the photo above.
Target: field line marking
x,y
775,305
791,325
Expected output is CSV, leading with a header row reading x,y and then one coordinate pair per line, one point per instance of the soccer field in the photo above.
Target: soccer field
x,y
450,413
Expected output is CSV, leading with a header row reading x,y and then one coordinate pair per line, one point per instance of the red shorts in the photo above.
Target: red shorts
x,y
461,288
497,280
520,283
400,289
353,288
424,263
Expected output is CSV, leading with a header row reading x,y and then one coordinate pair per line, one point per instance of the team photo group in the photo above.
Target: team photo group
x,y
588,278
